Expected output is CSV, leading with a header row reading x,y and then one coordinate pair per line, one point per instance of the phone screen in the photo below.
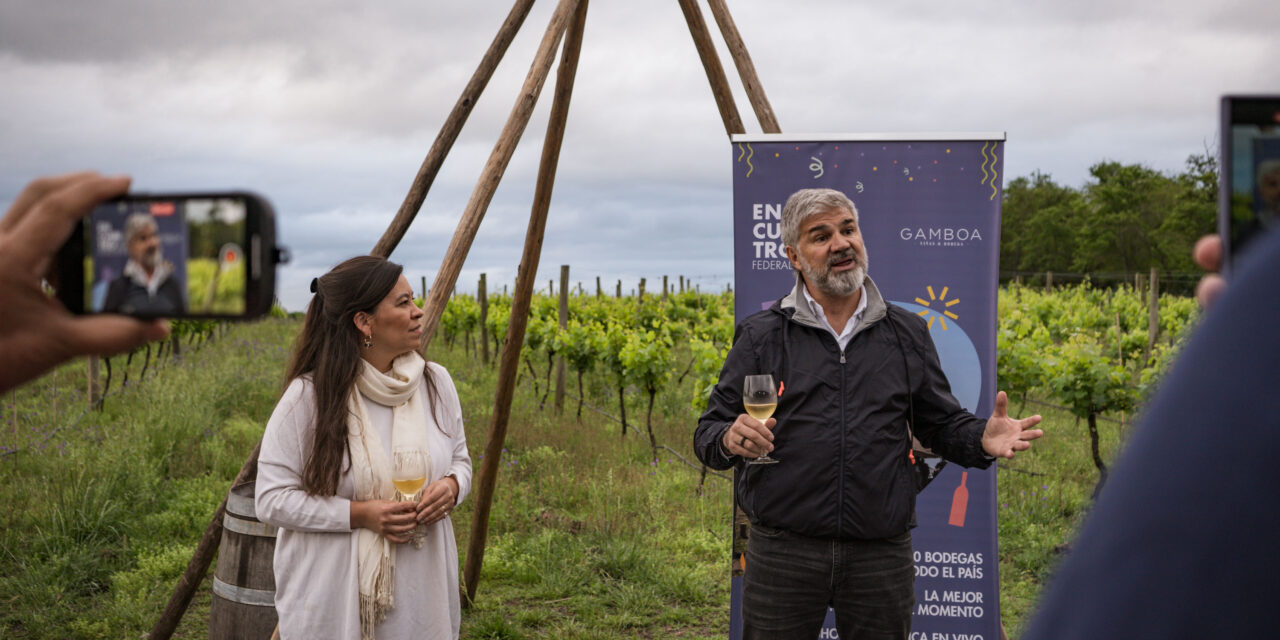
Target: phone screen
x,y
167,257
1252,169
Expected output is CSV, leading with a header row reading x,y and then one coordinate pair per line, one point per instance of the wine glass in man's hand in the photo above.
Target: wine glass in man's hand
x,y
760,398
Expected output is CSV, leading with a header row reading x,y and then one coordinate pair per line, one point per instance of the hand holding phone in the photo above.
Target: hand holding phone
x,y
35,334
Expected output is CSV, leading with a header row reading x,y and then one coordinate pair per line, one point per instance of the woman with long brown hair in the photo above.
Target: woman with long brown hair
x,y
351,560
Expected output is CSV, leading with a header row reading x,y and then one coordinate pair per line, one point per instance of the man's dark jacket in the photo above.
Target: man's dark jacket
x,y
842,435
126,296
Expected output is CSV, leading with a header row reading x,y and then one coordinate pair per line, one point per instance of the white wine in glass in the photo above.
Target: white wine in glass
x,y
761,412
410,471
760,399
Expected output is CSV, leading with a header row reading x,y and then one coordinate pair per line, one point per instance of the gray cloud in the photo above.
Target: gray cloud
x,y
329,107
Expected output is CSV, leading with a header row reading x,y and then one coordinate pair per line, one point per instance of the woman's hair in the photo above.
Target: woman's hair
x,y
328,349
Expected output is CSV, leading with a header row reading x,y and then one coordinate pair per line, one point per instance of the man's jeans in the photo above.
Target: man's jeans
x,y
791,580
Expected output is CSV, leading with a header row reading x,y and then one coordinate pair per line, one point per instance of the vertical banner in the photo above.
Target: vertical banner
x,y
929,212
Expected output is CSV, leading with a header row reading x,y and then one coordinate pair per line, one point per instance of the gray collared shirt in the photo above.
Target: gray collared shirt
x,y
842,337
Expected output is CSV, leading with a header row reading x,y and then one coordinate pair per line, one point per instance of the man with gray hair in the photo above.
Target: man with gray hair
x,y
831,522
146,286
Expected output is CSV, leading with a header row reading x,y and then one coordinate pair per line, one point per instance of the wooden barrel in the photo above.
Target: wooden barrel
x,y
244,587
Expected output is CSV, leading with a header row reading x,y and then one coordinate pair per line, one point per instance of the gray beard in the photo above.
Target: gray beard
x,y
836,285
151,260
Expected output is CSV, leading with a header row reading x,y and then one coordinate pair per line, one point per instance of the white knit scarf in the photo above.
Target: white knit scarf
x,y
371,470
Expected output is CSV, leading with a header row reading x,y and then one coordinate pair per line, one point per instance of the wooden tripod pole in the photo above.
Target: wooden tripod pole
x,y
746,69
465,233
711,63
448,133
520,302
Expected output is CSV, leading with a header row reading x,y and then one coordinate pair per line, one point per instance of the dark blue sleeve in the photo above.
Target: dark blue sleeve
x,y
1182,541
725,403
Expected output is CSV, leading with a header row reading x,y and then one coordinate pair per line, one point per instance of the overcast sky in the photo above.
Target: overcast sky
x,y
328,108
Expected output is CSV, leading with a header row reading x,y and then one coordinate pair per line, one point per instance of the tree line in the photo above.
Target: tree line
x,y
1126,219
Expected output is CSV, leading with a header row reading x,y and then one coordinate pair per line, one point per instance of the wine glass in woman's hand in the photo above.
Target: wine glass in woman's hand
x,y
410,471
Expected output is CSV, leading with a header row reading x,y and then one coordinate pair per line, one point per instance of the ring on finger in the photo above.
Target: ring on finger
x,y
743,444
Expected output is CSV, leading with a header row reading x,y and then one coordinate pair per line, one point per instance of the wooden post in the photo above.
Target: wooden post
x,y
619,293
681,284
1048,281
551,288
486,480
664,287
711,64
599,290
449,132
476,207
746,70
483,293
640,296
1119,344
564,324
1153,314
423,291
1120,355
91,389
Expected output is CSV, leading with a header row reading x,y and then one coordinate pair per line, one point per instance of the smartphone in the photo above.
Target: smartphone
x,y
172,255
1249,179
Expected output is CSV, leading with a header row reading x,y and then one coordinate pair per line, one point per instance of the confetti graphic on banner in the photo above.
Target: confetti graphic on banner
x,y
749,153
872,170
816,167
989,157
941,299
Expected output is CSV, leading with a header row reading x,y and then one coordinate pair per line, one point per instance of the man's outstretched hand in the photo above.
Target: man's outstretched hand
x,y
1005,435
37,332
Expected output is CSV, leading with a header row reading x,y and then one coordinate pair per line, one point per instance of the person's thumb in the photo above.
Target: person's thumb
x,y
1002,404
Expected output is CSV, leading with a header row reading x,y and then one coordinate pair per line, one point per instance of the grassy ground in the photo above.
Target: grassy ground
x,y
588,538
1042,498
102,514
